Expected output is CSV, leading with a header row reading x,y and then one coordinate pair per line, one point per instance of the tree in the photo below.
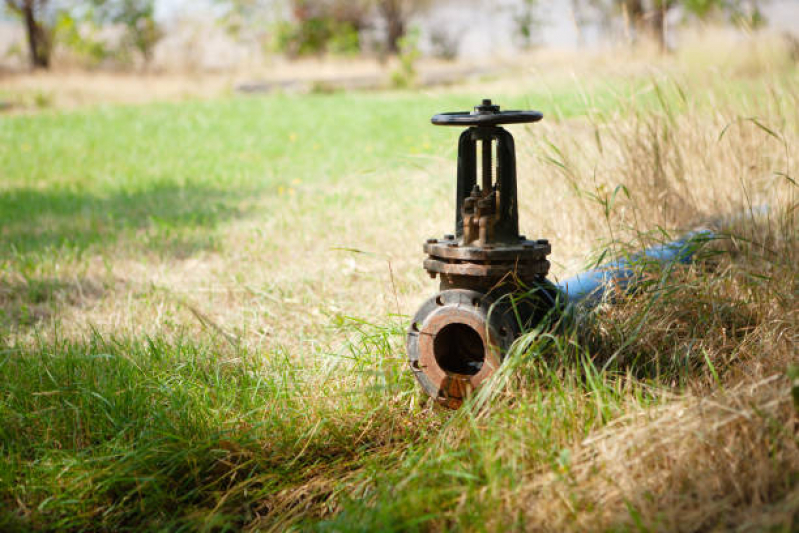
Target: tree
x,y
309,25
327,26
249,21
396,14
658,23
650,16
647,17
356,14
298,27
527,20
137,17
39,34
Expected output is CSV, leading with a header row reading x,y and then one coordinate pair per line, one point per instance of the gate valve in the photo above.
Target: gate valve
x,y
492,279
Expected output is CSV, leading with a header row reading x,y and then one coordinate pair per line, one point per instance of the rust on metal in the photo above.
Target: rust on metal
x,y
459,337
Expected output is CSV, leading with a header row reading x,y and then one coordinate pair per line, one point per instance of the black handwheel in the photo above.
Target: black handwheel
x,y
486,114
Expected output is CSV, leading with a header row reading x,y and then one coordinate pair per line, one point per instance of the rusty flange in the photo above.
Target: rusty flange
x,y
524,261
449,248
456,341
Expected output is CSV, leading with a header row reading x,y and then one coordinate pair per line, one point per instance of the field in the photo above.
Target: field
x,y
203,304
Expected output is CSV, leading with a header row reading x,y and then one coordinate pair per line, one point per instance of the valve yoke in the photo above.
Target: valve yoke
x,y
486,245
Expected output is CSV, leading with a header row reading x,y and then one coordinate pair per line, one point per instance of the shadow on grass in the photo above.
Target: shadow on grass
x,y
166,219
27,301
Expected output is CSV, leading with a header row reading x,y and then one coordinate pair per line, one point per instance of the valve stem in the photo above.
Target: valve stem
x,y
486,165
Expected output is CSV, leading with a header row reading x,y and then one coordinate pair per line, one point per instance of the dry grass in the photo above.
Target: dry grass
x,y
726,461
723,456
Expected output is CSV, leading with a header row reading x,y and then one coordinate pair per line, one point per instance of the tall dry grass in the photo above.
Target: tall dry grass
x,y
690,377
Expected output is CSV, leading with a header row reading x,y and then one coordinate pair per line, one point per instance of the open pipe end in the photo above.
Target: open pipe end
x,y
456,342
459,349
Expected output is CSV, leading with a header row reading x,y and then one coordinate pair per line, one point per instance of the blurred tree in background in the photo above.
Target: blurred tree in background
x,y
527,21
38,29
318,26
298,27
395,15
75,24
405,75
137,20
650,17
79,32
125,31
249,21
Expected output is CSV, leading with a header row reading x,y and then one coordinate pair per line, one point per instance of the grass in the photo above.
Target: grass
x,y
177,168
203,305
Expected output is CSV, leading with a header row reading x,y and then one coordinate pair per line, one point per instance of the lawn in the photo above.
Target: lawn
x,y
203,307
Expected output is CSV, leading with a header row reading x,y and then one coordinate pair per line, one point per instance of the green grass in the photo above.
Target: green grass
x,y
128,430
122,432
225,425
184,168
72,180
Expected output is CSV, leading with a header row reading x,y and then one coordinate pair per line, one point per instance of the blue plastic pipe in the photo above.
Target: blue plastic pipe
x,y
591,287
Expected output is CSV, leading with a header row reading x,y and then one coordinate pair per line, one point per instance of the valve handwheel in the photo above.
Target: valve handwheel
x,y
486,114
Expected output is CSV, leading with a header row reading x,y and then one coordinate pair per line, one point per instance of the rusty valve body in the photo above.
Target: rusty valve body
x,y
458,337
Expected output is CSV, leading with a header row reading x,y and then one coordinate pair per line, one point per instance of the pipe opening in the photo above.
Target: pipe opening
x,y
459,349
